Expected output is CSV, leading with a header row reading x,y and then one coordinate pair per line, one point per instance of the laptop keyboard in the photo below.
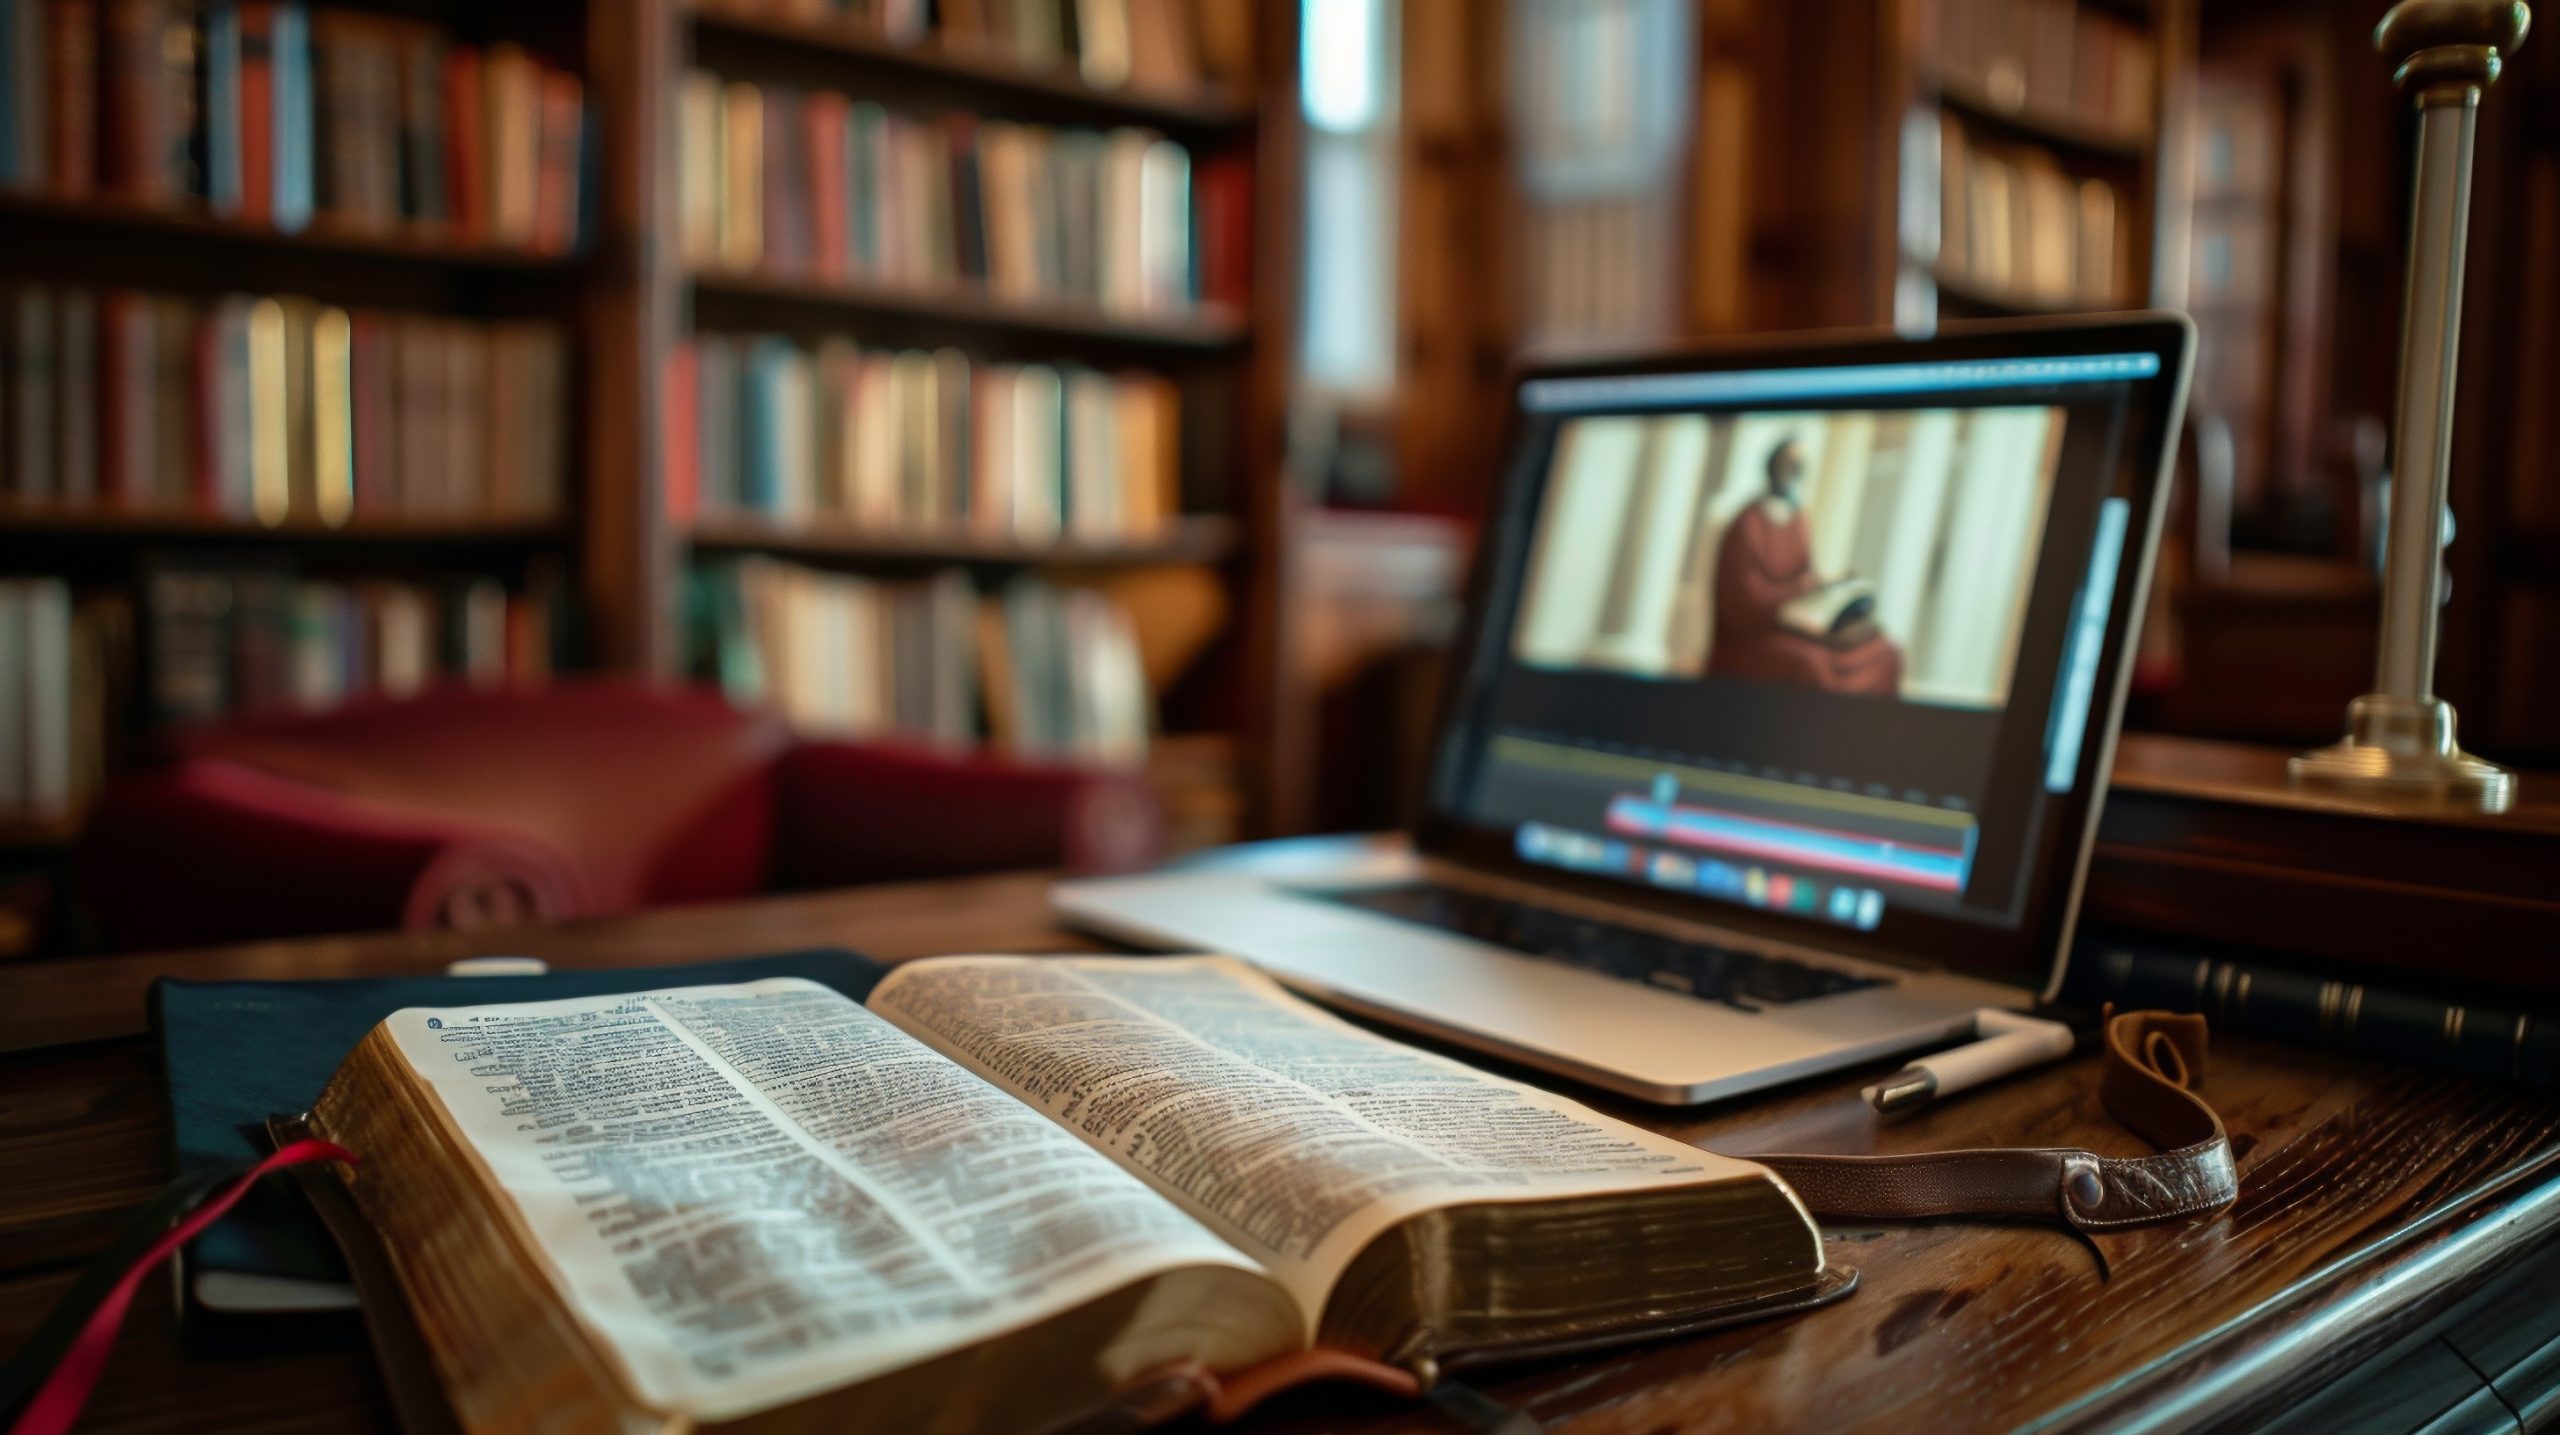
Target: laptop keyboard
x,y
1745,981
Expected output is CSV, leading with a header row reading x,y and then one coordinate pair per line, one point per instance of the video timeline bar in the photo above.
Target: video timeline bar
x,y
1846,854
1759,886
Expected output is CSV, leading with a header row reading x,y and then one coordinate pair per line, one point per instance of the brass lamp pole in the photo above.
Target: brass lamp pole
x,y
2400,740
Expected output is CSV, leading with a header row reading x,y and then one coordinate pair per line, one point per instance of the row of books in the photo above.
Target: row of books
x,y
820,186
2013,221
2064,58
226,640
914,442
271,113
277,409
1157,46
61,664
1033,669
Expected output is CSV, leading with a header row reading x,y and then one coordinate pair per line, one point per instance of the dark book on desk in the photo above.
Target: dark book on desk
x,y
1008,1193
2499,1040
235,1053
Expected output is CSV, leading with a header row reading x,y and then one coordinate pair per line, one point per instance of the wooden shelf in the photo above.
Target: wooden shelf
x,y
994,77
1967,294
2065,132
92,521
37,835
1208,329
28,216
1200,538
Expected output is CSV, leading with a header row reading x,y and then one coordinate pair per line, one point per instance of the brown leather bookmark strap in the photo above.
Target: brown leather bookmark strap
x,y
2151,1060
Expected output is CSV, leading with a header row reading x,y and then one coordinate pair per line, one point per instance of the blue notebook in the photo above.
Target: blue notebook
x,y
235,1053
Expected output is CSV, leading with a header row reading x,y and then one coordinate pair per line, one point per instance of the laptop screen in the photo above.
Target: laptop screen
x,y
1824,645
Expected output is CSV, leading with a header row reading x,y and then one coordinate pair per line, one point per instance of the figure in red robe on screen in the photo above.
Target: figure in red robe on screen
x,y
1778,621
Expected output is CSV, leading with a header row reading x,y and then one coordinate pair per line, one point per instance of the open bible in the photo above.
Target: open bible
x,y
1831,609
1007,1195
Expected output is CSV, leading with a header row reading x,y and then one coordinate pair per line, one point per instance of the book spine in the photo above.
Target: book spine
x,y
47,685
760,477
369,375
34,372
32,50
680,402
823,119
13,82
513,101
205,432
131,113
169,472
180,75
556,211
75,391
465,182
126,424
14,681
742,244
2493,1040
785,220
223,140
71,119
421,111
289,38
968,200
257,127
866,138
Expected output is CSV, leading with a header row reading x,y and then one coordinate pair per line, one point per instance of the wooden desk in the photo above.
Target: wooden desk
x,y
2371,1198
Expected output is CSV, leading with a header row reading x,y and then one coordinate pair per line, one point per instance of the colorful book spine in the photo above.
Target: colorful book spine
x,y
279,410
912,442
266,111
816,184
222,107
291,126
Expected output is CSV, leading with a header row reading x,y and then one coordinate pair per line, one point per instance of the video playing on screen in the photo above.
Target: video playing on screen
x,y
1866,553
1823,642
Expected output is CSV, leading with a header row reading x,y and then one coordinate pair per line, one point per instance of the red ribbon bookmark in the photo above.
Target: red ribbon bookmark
x,y
59,1400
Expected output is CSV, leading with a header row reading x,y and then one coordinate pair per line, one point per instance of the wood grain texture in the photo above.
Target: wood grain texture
x,y
2206,840
2371,1197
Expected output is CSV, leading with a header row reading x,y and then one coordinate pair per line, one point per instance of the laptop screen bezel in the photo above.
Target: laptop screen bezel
x,y
2029,953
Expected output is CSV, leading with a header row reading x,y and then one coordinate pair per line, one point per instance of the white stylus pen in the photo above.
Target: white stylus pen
x,y
2008,1043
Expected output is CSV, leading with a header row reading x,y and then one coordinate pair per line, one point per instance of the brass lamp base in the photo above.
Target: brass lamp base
x,y
2397,750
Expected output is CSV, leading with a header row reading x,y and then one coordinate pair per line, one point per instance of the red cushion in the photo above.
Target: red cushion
x,y
210,852
658,795
871,812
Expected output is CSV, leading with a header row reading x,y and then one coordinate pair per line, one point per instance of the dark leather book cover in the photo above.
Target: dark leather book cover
x,y
235,1053
968,199
2483,1035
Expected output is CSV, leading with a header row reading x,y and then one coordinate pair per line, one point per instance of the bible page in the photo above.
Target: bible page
x,y
1290,1132
754,1193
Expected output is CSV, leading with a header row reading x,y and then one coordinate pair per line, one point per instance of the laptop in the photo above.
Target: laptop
x,y
1778,723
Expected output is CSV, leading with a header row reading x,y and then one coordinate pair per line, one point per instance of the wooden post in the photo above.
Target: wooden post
x,y
631,555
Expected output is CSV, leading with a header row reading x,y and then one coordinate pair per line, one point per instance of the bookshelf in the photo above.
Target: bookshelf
x,y
627,298
2036,154
972,78
1196,539
954,312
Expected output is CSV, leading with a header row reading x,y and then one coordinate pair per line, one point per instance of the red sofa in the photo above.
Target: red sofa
x,y
472,808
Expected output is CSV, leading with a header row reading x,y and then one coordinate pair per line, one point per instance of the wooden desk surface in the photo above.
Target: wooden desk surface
x,y
2371,1197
